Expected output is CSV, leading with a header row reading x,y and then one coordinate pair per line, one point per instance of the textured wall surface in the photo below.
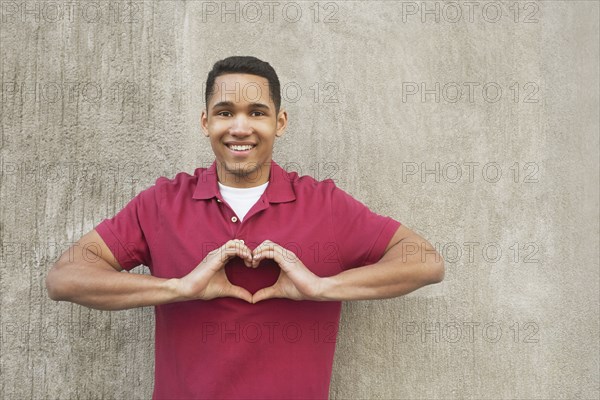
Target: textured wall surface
x,y
474,123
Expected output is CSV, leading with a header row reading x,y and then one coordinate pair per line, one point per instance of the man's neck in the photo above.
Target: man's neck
x,y
243,180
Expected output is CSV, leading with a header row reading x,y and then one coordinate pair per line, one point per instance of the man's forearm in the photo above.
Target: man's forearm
x,y
385,279
108,289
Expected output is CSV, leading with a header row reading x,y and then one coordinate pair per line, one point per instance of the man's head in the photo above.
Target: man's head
x,y
243,109
245,65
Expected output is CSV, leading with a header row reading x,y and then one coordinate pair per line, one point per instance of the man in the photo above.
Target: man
x,y
249,263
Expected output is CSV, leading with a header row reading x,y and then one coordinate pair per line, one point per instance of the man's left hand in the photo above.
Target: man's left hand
x,y
295,282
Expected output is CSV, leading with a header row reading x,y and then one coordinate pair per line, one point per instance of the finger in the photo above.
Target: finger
x,y
245,254
243,251
273,247
265,244
264,294
236,244
280,255
227,249
265,250
233,248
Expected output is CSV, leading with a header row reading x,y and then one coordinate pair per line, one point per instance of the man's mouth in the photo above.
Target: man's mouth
x,y
241,148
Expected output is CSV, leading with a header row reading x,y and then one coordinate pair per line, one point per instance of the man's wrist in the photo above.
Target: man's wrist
x,y
173,288
326,289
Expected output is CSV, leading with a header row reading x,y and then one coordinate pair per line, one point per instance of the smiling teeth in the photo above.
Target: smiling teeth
x,y
241,148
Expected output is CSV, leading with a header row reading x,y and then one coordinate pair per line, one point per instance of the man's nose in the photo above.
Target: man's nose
x,y
241,125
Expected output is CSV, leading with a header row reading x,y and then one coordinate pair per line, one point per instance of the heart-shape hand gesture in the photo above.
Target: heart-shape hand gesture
x,y
208,280
295,281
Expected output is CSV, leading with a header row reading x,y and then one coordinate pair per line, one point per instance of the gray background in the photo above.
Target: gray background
x,y
100,101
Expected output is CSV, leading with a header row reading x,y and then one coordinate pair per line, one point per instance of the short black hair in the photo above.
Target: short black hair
x,y
244,65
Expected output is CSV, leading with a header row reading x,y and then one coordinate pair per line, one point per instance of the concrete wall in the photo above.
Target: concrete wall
x,y
500,172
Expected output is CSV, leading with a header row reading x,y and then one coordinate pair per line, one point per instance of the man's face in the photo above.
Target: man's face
x,y
241,123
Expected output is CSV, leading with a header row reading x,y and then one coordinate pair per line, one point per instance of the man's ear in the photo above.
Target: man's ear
x,y
204,122
281,123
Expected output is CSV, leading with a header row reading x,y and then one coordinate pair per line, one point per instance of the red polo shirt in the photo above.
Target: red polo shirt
x,y
227,348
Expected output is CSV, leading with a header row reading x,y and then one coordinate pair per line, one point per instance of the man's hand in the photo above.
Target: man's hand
x,y
295,281
208,280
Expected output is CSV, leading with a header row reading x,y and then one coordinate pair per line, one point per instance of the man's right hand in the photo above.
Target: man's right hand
x,y
88,274
208,280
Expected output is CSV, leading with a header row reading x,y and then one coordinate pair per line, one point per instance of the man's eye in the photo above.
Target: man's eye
x,y
258,112
223,112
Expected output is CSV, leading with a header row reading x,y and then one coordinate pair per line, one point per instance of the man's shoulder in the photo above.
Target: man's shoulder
x,y
181,181
308,182
318,190
311,191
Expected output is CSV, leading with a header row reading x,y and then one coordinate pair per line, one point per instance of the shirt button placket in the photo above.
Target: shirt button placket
x,y
234,219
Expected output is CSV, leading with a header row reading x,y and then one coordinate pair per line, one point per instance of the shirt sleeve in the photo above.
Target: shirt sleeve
x,y
361,234
129,232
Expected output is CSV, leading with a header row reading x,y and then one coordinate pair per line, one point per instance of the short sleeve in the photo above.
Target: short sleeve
x,y
128,233
361,234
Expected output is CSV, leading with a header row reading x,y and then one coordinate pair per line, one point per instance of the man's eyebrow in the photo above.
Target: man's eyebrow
x,y
259,105
252,105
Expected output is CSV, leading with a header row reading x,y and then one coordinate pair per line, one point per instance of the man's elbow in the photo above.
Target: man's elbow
x,y
437,272
53,284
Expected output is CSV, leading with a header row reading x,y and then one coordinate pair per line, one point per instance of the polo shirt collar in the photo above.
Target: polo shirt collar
x,y
279,189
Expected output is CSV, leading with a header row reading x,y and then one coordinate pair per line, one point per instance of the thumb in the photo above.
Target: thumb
x,y
264,294
239,292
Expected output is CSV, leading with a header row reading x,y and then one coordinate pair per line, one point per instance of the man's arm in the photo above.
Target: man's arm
x,y
409,263
88,274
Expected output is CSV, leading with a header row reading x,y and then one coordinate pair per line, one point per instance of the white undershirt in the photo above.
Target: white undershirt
x,y
241,200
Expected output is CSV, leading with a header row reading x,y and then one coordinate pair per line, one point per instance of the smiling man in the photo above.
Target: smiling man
x,y
249,262
242,127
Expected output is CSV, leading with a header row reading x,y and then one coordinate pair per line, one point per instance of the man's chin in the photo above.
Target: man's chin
x,y
242,172
247,170
241,169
